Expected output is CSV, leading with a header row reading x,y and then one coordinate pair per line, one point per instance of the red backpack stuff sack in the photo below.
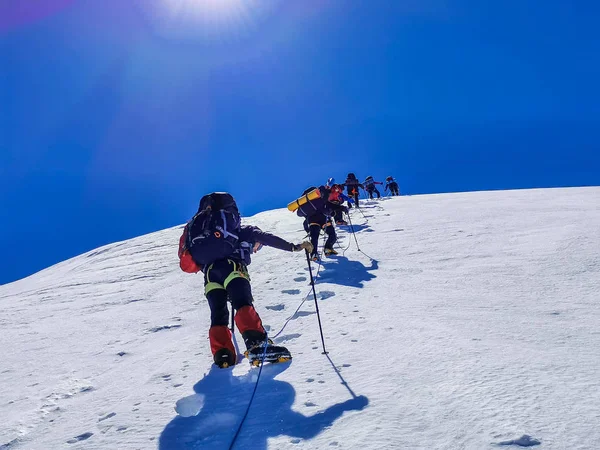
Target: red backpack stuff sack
x,y
186,262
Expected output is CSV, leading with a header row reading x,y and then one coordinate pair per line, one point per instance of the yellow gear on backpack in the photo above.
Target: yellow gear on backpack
x,y
312,195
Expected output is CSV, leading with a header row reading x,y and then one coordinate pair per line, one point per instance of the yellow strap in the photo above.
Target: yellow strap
x,y
239,271
208,271
211,286
232,276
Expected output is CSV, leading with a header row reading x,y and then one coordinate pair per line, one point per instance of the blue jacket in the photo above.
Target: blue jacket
x,y
345,198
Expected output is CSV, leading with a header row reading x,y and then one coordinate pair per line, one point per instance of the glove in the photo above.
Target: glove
x,y
303,246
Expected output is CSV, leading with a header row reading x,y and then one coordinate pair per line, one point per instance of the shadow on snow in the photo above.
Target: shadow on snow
x,y
354,227
346,272
221,400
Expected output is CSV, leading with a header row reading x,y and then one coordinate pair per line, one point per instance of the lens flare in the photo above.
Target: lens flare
x,y
209,18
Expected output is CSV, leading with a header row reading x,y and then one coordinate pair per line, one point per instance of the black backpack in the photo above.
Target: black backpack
x,y
213,233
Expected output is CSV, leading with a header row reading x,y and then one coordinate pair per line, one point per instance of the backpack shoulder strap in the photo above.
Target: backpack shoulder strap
x,y
223,229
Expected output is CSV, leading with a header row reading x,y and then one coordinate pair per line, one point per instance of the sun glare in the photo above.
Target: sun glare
x,y
209,18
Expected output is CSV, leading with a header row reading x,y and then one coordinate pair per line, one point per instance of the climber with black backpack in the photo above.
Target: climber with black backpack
x,y
215,242
370,187
352,184
318,206
392,185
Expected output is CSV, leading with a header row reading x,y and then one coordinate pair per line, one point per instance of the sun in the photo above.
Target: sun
x,y
209,17
209,9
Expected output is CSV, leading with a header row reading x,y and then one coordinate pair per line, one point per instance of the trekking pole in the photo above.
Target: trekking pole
x,y
353,232
312,282
363,214
356,240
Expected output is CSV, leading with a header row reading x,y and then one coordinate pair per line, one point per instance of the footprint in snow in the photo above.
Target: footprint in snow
x,y
276,307
302,314
323,295
9,444
300,279
81,437
163,327
291,291
287,337
523,441
108,416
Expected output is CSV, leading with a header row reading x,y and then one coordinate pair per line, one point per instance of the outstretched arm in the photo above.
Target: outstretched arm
x,y
271,240
337,207
308,427
264,238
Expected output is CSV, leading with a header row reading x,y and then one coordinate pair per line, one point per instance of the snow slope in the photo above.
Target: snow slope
x,y
476,322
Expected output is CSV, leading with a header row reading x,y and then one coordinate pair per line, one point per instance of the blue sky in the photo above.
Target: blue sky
x,y
115,117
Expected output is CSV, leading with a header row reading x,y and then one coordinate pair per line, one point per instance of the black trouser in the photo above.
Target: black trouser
x,y
314,224
228,279
353,193
370,190
394,188
338,216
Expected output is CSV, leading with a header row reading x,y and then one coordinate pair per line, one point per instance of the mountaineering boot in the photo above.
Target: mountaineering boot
x,y
329,252
314,257
253,338
272,353
221,346
224,358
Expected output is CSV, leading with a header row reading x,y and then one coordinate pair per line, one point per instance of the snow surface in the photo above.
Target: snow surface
x,y
476,325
